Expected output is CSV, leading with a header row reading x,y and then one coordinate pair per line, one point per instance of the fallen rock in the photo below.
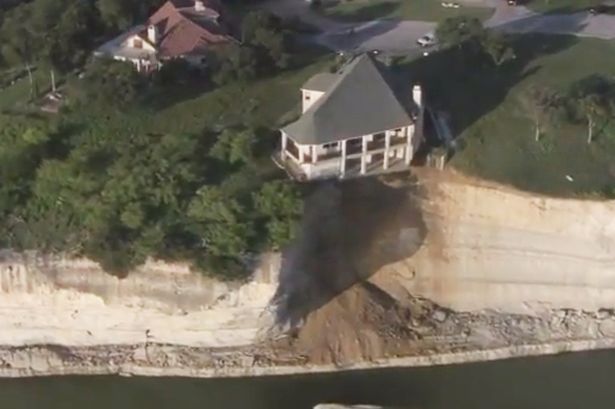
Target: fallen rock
x,y
607,328
439,315
604,314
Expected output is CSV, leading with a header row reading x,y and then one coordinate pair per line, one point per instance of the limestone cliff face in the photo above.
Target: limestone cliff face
x,y
47,299
164,285
495,248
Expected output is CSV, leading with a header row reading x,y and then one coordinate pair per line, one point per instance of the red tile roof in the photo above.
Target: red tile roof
x,y
182,30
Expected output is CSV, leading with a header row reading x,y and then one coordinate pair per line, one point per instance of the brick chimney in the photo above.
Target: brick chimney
x,y
417,96
152,34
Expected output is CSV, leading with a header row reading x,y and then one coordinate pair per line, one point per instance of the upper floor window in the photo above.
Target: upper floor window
x,y
137,43
330,145
379,137
354,142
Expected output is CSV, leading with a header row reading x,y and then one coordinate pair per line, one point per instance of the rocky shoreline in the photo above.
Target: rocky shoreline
x,y
564,331
41,360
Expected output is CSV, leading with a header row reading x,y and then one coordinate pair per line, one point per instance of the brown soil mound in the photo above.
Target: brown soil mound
x,y
359,324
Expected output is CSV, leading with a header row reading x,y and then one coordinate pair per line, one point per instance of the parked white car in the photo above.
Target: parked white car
x,y
427,40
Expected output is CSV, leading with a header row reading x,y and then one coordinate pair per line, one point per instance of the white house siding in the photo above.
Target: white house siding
x,y
325,160
323,169
304,152
130,43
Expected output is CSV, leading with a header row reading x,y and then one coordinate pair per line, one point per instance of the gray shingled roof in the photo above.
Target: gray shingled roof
x,y
321,82
361,101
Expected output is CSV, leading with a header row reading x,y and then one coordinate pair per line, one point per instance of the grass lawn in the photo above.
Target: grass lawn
x,y
561,6
425,10
495,133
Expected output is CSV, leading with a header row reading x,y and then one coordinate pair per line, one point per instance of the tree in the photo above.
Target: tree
x,y
234,146
280,203
593,107
117,14
72,36
592,98
265,32
121,14
220,223
458,31
173,72
110,82
263,49
55,33
498,48
236,63
18,50
469,36
541,104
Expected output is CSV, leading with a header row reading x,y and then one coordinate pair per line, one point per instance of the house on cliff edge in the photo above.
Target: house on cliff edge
x,y
358,121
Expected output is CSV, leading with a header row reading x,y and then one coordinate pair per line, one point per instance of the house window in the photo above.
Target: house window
x,y
331,145
137,43
307,97
379,137
354,142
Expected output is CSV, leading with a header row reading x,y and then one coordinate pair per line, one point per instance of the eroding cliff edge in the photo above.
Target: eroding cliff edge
x,y
434,271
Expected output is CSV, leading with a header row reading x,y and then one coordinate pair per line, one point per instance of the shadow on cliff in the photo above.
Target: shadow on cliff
x,y
350,230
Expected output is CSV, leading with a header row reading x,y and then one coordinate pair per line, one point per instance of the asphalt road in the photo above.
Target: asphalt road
x,y
399,36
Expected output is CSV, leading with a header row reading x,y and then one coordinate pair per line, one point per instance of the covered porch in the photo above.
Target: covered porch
x,y
383,152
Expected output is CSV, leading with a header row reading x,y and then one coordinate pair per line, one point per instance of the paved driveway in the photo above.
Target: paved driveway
x,y
391,36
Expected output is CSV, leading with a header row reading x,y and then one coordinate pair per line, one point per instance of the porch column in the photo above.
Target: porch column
x,y
301,154
409,153
343,163
314,154
363,154
387,144
284,146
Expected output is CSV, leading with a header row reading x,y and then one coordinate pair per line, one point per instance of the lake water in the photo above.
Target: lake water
x,y
580,380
